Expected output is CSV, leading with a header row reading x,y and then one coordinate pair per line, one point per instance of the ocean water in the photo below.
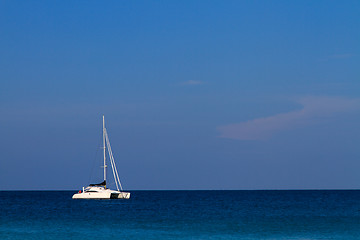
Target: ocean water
x,y
182,215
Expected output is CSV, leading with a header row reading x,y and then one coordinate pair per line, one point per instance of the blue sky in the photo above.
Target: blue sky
x,y
196,94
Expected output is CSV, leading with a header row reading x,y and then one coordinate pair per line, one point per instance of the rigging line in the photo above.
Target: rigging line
x,y
113,161
117,174
112,166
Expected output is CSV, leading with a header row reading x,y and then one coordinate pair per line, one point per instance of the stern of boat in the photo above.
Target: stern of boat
x,y
120,195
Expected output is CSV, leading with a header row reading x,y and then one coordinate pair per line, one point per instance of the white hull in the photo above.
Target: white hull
x,y
86,195
121,195
103,195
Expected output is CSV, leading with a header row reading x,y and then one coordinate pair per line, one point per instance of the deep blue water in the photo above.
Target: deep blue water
x,y
182,215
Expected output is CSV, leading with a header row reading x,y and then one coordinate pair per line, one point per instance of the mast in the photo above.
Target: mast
x,y
104,147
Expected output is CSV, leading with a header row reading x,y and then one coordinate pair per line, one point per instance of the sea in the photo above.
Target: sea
x,y
293,214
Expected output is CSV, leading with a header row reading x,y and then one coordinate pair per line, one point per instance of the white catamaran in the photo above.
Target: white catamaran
x,y
100,191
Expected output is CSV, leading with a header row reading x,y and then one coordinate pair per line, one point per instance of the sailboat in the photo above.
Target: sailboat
x,y
100,190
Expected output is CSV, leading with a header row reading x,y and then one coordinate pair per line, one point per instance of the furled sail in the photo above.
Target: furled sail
x,y
99,184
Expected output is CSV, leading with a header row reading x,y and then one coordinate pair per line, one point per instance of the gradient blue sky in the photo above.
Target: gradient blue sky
x,y
196,94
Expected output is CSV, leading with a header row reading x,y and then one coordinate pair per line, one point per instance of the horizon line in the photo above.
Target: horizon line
x,y
294,189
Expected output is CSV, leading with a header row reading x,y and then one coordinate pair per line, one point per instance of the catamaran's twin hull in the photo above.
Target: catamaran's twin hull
x,y
102,195
122,195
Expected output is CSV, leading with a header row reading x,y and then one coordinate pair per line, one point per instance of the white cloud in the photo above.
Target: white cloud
x,y
314,110
341,56
338,56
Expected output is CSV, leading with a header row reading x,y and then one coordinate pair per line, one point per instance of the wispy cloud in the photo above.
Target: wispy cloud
x,y
315,109
338,56
341,56
192,82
